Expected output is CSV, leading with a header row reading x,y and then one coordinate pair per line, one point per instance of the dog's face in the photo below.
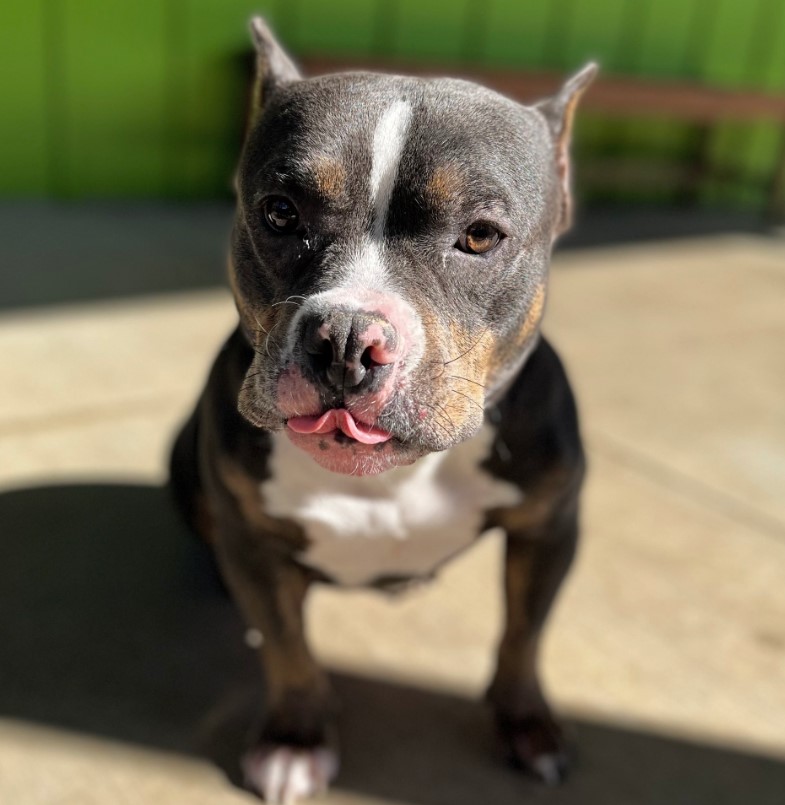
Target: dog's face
x,y
390,255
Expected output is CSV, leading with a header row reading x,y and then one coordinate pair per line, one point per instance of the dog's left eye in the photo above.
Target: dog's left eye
x,y
479,238
280,214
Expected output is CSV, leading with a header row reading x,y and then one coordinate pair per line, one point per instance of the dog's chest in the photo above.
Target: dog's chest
x,y
404,522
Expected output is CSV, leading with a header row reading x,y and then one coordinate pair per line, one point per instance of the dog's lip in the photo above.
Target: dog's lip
x,y
338,419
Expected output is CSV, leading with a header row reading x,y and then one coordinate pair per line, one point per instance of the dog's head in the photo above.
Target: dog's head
x,y
390,254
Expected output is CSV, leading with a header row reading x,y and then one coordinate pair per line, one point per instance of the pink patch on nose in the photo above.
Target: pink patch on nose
x,y
391,307
379,351
403,319
339,419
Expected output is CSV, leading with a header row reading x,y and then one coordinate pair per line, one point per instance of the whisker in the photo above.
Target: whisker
x,y
443,413
268,333
438,419
473,402
475,344
288,301
467,379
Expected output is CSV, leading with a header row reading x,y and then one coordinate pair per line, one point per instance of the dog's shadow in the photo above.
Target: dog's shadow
x,y
113,623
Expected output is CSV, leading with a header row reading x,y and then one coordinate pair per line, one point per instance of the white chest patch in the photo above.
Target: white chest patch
x,y
403,522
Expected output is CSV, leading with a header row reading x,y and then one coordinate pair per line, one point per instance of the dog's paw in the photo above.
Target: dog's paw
x,y
287,774
536,745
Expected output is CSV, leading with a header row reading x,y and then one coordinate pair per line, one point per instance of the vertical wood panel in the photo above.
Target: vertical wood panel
x,y
114,83
727,63
346,27
605,38
208,75
757,147
657,50
664,46
516,33
595,31
663,52
23,94
432,31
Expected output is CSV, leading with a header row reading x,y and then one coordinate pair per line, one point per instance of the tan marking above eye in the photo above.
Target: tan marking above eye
x,y
329,176
444,184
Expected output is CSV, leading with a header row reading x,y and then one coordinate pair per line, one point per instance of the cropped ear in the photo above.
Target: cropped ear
x,y
273,66
559,112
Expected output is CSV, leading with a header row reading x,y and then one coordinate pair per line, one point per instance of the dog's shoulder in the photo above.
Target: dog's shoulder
x,y
537,431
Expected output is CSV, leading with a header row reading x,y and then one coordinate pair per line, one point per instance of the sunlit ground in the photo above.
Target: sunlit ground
x,y
122,666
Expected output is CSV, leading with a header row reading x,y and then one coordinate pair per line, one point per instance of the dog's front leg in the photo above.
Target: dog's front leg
x,y
295,756
537,559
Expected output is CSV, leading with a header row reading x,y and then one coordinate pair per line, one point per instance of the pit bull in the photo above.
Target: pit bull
x,y
387,397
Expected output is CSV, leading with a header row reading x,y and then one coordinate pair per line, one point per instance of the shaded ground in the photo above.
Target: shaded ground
x,y
113,624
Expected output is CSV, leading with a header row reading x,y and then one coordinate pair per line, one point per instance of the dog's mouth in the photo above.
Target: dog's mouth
x,y
339,442
338,421
362,434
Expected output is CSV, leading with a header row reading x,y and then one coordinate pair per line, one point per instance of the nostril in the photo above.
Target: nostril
x,y
342,349
320,354
366,359
381,355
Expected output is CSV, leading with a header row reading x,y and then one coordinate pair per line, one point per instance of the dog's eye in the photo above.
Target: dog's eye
x,y
479,238
280,214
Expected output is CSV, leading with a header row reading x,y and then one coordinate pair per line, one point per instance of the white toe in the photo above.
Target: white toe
x,y
284,775
548,768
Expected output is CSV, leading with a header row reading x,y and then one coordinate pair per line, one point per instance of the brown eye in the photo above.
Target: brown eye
x,y
479,238
280,214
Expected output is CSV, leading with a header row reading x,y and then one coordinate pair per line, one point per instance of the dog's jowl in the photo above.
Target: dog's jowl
x,y
387,396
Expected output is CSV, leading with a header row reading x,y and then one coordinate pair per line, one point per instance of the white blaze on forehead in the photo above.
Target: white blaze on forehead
x,y
366,268
388,142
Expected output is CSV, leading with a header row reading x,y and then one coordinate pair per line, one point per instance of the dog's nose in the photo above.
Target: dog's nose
x,y
343,348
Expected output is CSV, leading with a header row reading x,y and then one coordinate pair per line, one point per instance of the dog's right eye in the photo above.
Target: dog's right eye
x,y
280,214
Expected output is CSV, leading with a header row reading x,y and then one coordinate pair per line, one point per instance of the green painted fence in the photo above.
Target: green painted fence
x,y
102,98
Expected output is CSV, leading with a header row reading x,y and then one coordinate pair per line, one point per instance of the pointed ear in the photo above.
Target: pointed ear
x,y
273,65
559,112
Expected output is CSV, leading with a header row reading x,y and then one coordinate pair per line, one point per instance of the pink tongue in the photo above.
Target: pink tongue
x,y
339,419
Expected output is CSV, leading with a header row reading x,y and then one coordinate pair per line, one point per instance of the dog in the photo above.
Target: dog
x,y
387,396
